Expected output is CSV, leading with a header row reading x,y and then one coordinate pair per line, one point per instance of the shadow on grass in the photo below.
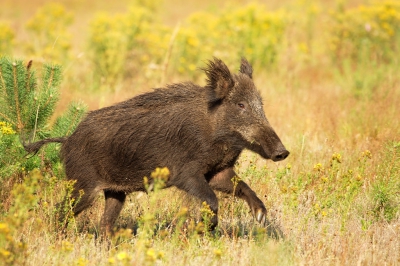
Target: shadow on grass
x,y
237,229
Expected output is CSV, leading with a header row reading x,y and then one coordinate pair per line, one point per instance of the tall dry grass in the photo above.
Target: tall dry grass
x,y
330,212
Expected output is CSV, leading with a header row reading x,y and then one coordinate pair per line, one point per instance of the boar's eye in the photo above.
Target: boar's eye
x,y
241,106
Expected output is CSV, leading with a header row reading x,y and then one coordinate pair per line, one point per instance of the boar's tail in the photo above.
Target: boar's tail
x,y
33,148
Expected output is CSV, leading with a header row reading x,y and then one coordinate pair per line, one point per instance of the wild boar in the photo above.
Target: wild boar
x,y
196,132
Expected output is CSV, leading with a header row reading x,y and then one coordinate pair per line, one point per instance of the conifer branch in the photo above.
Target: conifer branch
x,y
28,77
72,125
51,77
3,83
20,124
47,102
36,119
9,120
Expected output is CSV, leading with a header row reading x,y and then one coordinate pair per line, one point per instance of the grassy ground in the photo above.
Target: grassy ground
x,y
336,197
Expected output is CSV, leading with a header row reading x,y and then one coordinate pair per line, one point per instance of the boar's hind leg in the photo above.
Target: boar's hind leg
x,y
223,182
84,196
114,202
80,199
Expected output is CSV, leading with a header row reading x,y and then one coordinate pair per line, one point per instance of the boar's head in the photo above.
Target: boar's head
x,y
239,109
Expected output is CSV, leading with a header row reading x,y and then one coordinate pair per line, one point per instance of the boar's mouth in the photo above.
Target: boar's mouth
x,y
264,141
277,154
270,147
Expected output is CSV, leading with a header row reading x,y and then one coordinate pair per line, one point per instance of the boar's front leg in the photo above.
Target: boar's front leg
x,y
223,182
197,186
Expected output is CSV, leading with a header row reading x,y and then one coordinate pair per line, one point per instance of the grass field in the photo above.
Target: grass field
x,y
330,78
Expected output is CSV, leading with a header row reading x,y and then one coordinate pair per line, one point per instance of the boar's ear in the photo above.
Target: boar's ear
x,y
219,79
245,68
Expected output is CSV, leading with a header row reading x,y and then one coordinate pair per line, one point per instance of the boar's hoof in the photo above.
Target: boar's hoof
x,y
214,223
261,217
273,229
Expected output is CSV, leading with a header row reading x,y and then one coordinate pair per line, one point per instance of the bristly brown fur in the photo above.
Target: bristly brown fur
x,y
219,79
113,148
33,148
246,68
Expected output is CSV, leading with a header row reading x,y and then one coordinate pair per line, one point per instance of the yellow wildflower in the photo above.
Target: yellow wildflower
x,y
123,256
4,228
217,253
4,253
6,128
337,157
151,255
318,167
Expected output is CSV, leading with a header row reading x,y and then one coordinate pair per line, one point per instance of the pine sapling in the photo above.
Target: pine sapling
x,y
26,106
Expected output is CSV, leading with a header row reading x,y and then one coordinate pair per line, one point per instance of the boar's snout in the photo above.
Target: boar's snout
x,y
279,155
272,147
